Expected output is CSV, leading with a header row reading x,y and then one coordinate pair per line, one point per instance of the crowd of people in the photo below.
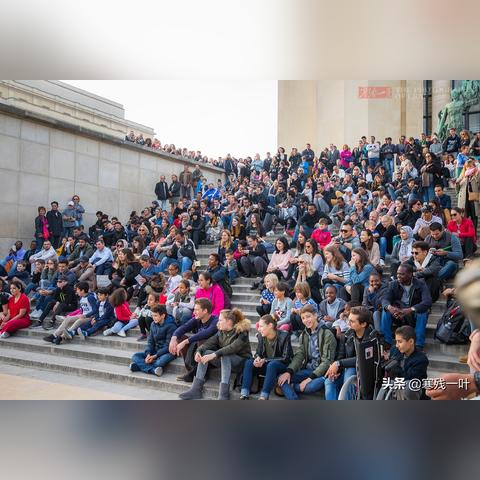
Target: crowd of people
x,y
155,144
344,216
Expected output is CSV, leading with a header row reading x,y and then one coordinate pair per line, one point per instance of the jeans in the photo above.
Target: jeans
x,y
448,270
163,204
89,329
420,326
119,326
104,269
388,163
383,247
226,362
291,389
428,193
271,369
185,265
372,161
333,387
162,361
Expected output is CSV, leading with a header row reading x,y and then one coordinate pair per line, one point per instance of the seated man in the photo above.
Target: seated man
x,y
47,251
181,252
425,220
361,330
427,267
446,246
347,240
16,254
203,325
408,363
372,298
102,259
305,373
82,249
407,300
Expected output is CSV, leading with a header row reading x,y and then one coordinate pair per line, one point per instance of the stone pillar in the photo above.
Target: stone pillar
x,y
441,90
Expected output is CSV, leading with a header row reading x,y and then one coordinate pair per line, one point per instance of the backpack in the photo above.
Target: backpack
x,y
453,327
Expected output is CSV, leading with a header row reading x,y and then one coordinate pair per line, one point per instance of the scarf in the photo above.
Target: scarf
x,y
405,249
424,263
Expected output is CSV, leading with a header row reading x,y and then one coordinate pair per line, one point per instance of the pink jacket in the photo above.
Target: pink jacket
x,y
279,261
215,295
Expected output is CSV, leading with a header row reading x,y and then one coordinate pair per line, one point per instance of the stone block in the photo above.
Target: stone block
x,y
128,178
8,220
34,158
34,132
9,126
108,174
26,221
129,157
148,179
108,199
62,164
33,190
9,152
109,152
128,202
9,186
86,169
61,191
88,197
87,146
64,140
148,162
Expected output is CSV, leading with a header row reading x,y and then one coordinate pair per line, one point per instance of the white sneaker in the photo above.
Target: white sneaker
x,y
4,335
36,314
121,333
270,233
158,371
382,262
107,332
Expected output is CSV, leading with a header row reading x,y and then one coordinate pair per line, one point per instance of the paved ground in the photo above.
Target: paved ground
x,y
18,383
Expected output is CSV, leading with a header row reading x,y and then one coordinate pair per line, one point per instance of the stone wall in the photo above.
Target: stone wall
x,y
42,160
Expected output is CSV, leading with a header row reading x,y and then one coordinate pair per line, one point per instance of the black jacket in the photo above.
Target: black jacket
x,y
346,353
414,366
186,250
283,347
161,190
174,189
420,297
55,222
430,271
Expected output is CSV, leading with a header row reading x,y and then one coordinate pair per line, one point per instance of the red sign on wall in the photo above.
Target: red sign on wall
x,y
374,92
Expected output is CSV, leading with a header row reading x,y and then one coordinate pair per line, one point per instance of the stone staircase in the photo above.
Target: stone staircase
x,y
107,358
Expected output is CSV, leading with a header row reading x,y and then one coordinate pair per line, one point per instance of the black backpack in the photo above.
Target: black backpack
x,y
453,328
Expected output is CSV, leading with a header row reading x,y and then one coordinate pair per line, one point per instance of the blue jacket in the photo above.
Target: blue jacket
x,y
159,337
201,331
362,277
108,313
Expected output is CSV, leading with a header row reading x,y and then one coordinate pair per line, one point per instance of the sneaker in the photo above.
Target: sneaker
x,y
81,334
141,338
57,340
49,326
270,233
107,332
4,335
36,314
134,367
36,324
382,262
49,338
158,371
255,285
244,397
121,333
67,334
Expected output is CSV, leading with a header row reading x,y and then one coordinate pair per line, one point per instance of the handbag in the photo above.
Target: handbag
x,y
474,196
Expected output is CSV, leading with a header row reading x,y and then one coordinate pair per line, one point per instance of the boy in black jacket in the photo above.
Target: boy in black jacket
x,y
410,364
105,317
64,300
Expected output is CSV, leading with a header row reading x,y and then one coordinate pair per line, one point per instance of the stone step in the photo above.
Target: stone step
x,y
101,370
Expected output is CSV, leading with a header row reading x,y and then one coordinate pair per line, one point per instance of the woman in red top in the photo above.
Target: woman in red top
x,y
463,228
18,310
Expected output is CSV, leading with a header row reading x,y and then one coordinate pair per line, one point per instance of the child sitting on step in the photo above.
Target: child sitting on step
x,y
104,318
125,319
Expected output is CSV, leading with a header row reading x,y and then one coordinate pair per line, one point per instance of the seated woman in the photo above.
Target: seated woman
x,y
370,246
180,303
16,314
268,294
337,271
237,230
226,243
360,272
311,248
306,273
463,228
302,298
279,263
273,354
402,251
229,347
210,290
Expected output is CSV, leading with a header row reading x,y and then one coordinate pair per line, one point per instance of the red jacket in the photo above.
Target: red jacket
x,y
322,237
466,229
123,313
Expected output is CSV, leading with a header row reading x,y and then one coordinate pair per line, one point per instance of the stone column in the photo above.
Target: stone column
x,y
441,90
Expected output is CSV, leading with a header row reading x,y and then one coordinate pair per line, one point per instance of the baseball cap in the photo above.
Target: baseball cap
x,y
83,258
70,203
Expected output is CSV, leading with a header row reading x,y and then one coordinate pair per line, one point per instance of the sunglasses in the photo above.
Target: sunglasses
x,y
415,253
344,231
453,214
